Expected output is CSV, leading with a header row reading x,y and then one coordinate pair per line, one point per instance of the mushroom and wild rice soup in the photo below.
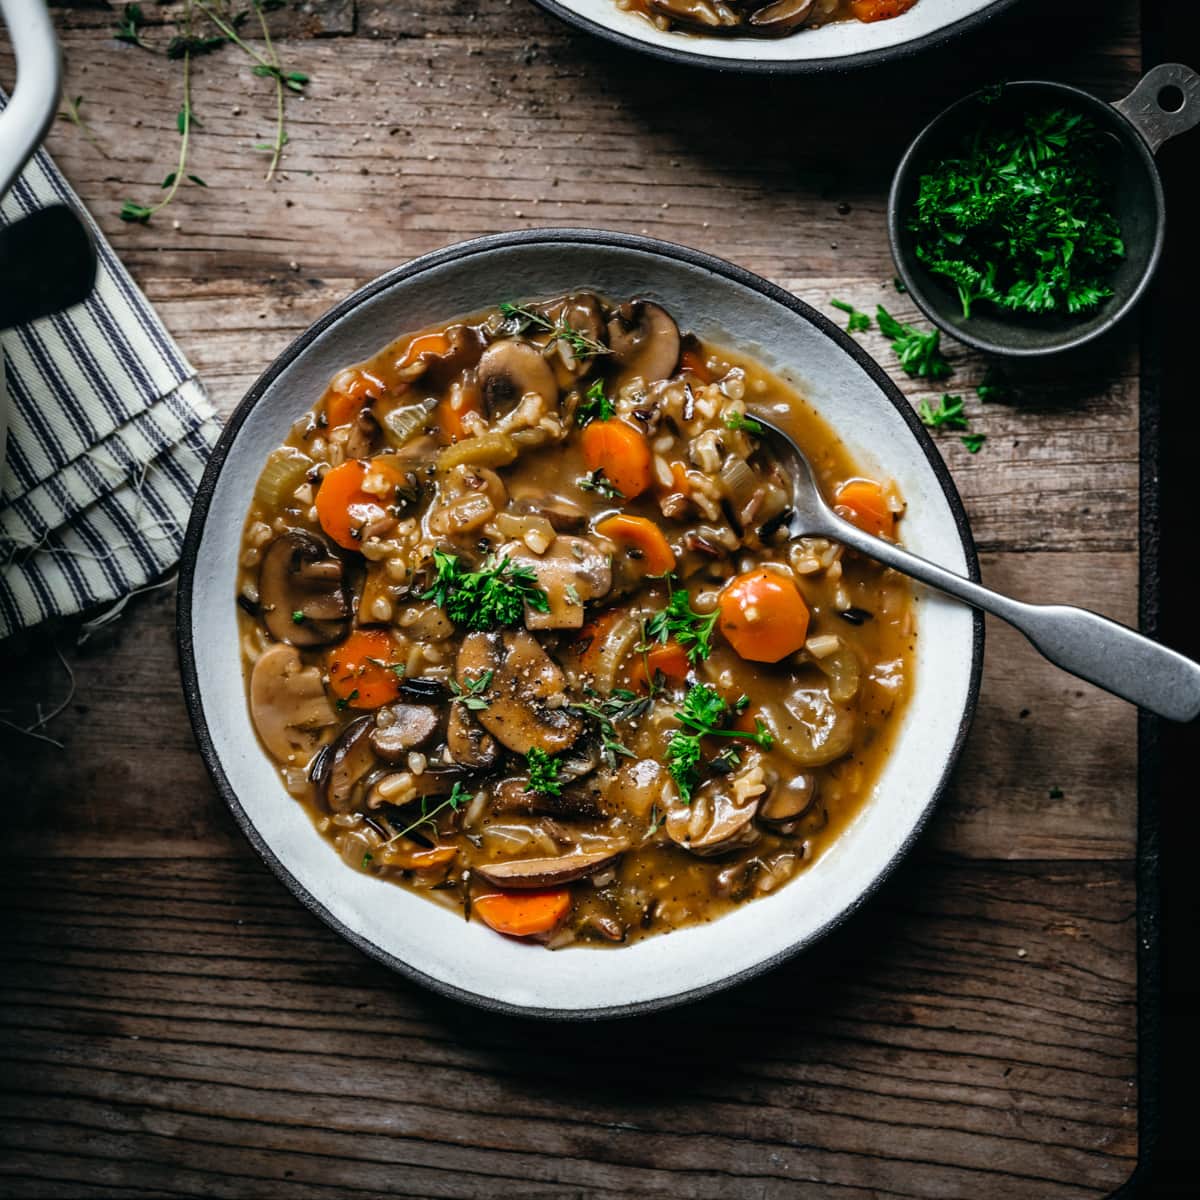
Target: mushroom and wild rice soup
x,y
523,632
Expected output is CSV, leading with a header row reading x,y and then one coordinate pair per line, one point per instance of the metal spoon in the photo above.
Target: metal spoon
x,y
1084,643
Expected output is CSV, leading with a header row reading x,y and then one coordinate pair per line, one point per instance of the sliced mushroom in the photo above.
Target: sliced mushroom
x,y
564,515
302,587
524,679
400,728
547,872
787,801
288,704
781,16
470,745
350,763
582,759
714,823
508,371
582,313
364,435
573,571
571,804
703,13
644,340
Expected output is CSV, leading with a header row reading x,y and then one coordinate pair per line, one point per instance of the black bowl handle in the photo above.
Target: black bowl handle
x,y
1145,107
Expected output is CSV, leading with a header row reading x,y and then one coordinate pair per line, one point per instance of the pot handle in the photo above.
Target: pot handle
x,y
33,103
1144,107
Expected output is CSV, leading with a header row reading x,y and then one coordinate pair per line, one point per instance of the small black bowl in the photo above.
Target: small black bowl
x,y
1165,103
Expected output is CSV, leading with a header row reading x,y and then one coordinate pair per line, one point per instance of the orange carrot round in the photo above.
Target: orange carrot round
x,y
668,657
341,408
692,361
344,508
424,345
862,502
359,670
640,535
520,914
621,452
449,420
763,615
879,10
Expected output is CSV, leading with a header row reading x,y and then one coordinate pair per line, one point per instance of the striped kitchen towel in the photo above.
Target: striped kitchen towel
x,y
108,433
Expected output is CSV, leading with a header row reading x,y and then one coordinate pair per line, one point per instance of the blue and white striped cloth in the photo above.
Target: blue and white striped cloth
x,y
108,433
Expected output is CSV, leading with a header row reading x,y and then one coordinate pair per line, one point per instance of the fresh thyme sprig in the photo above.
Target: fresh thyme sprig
x,y
618,706
130,25
72,114
596,481
521,318
458,795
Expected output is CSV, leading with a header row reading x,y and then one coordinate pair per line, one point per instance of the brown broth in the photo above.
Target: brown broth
x,y
655,885
731,18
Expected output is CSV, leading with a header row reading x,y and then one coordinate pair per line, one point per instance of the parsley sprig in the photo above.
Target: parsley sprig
x,y
596,406
457,798
618,707
519,319
919,353
948,412
703,713
680,620
472,695
858,322
542,769
491,598
1020,215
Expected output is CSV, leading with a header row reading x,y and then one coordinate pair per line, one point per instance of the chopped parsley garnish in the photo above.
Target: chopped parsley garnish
x,y
995,388
745,423
472,695
596,406
458,796
692,630
947,412
1019,216
974,441
858,322
596,481
366,859
702,715
919,353
490,598
297,617
397,668
618,706
519,319
543,773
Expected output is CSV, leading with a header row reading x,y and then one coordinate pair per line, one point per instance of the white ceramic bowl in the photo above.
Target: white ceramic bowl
x,y
430,943
838,47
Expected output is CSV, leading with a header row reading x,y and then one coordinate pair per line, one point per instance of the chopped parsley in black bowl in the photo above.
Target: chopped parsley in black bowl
x,y
1028,218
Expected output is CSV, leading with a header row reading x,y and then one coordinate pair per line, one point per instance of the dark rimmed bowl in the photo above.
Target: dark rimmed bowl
x,y
1165,103
429,943
843,46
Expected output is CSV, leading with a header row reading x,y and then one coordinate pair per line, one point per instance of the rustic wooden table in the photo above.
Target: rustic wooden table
x,y
174,1023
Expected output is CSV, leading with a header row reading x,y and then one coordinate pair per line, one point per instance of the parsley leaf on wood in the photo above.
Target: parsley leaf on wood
x,y
948,412
974,442
858,322
919,353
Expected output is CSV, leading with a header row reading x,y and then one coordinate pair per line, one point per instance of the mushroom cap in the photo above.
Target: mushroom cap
x,y
300,575
713,823
547,872
509,370
351,760
400,728
781,16
570,562
524,678
644,340
571,804
288,704
787,801
470,745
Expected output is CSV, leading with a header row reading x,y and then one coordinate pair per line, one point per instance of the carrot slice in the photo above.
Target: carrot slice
x,y
669,657
679,479
621,452
344,508
425,345
641,536
341,408
358,671
520,914
763,615
879,10
862,502
450,420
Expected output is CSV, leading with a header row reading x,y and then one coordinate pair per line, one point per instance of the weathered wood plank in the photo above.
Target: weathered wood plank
x,y
929,1055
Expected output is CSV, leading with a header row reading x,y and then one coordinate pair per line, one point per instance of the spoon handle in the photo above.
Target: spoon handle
x,y
1110,655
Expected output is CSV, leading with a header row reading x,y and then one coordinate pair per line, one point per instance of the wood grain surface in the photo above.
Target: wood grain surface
x,y
172,1022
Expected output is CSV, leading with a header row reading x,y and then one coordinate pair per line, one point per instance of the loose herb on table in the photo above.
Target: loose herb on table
x,y
919,353
859,322
1020,216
